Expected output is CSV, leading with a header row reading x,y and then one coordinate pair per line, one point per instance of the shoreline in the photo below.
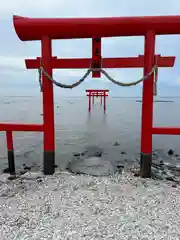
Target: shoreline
x,y
67,206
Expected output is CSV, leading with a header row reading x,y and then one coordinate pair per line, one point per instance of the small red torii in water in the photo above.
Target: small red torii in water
x,y
47,29
102,93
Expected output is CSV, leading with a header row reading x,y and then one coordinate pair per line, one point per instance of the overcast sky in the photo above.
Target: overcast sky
x,y
15,79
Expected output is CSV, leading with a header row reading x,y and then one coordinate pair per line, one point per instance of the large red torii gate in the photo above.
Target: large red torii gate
x,y
45,30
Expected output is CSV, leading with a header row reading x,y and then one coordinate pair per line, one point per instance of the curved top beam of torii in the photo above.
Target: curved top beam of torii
x,y
29,29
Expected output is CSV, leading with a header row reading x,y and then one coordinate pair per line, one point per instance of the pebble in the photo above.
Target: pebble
x,y
123,153
169,178
98,154
170,152
120,166
39,180
137,174
116,144
27,168
76,154
6,170
22,172
12,177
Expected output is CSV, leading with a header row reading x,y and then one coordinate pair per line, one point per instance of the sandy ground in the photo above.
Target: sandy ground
x,y
66,206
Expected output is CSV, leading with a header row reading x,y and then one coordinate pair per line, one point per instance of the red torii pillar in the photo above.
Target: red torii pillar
x,y
45,30
97,93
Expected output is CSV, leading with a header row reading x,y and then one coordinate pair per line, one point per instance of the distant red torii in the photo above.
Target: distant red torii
x,y
103,93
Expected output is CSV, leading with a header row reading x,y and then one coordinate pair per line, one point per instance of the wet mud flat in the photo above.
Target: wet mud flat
x,y
97,161
93,161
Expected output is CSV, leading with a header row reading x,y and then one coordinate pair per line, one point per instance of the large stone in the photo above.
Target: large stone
x,y
94,166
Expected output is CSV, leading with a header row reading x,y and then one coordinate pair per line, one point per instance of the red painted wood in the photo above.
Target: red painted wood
x,y
48,98
92,93
78,63
97,90
96,56
29,29
99,95
147,98
104,97
89,106
166,130
9,139
21,127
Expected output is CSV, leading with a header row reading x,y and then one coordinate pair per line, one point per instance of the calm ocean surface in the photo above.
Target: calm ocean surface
x,y
76,129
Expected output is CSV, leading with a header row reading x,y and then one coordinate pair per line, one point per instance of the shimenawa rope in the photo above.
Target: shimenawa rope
x,y
122,84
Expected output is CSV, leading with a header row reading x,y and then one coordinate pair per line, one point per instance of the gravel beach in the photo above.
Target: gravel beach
x,y
66,206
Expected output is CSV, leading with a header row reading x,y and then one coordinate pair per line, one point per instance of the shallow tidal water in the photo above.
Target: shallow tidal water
x,y
77,130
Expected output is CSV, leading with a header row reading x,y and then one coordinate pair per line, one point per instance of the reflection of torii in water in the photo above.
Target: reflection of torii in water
x,y
45,30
